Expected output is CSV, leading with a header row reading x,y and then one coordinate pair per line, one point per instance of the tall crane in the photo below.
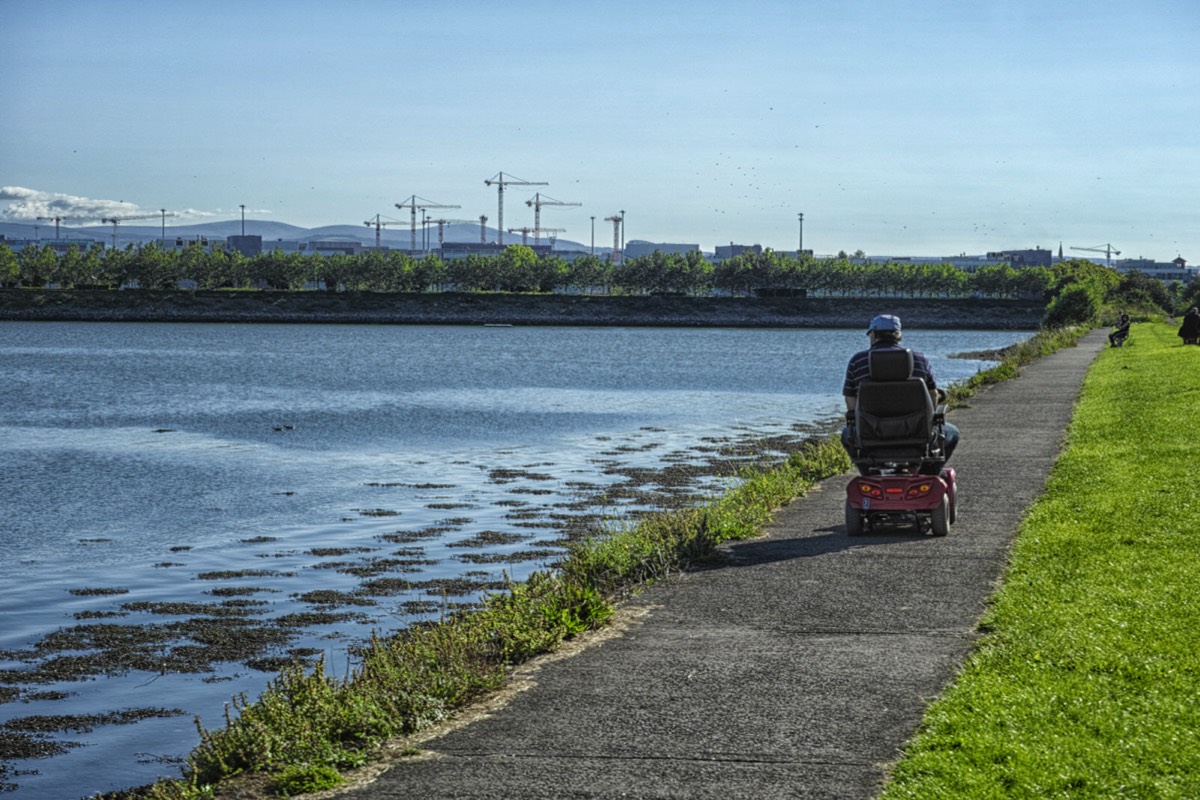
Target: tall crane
x,y
379,222
483,229
441,223
616,221
117,220
1107,249
537,202
500,181
412,205
526,231
56,221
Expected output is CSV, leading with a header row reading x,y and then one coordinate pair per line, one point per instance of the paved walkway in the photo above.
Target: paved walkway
x,y
796,670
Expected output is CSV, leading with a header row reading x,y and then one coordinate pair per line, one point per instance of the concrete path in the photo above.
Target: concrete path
x,y
798,669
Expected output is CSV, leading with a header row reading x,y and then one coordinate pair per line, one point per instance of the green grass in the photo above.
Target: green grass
x,y
1086,681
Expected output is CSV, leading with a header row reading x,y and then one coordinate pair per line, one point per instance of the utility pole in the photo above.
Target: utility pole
x,y
622,234
593,252
800,249
162,242
243,219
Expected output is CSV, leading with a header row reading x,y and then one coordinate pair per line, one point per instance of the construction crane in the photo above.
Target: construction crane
x,y
1107,249
56,221
412,205
117,220
526,231
441,223
379,223
500,181
483,229
616,220
537,202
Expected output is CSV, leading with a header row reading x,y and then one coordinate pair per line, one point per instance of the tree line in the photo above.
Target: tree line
x,y
519,269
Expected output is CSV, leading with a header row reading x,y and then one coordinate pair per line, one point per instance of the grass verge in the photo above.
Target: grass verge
x,y
306,726
1086,680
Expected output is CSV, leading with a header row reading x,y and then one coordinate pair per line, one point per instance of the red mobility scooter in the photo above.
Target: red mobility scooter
x,y
900,455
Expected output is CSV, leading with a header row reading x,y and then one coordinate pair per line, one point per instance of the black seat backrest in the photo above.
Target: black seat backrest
x,y
894,409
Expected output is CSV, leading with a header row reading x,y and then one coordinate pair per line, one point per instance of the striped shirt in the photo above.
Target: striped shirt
x,y
859,368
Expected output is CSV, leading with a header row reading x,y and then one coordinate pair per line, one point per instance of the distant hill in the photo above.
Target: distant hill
x,y
395,236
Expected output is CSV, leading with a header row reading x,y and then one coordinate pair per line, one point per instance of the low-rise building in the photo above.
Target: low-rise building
x,y
640,247
1165,271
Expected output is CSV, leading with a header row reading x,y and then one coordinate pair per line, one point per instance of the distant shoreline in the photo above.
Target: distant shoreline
x,y
373,308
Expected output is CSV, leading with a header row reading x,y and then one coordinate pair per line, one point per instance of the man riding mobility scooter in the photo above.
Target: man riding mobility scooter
x,y
899,451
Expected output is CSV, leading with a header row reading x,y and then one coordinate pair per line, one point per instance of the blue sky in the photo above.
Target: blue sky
x,y
907,128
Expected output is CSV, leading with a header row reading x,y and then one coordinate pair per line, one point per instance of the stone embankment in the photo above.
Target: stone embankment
x,y
504,309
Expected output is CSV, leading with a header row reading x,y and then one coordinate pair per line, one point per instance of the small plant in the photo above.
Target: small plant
x,y
306,779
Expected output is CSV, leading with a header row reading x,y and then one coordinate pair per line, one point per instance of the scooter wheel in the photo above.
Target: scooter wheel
x,y
939,519
854,520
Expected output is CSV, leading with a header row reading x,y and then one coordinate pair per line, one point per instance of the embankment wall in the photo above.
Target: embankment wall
x,y
504,309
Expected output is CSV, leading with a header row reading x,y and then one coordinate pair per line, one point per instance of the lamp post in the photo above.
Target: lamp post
x,y
800,248
243,219
622,235
593,251
162,242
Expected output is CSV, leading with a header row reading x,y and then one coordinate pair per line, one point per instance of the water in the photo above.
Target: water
x,y
234,469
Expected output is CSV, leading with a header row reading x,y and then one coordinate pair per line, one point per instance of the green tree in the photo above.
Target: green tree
x,y
38,264
430,273
587,273
10,267
516,269
1137,288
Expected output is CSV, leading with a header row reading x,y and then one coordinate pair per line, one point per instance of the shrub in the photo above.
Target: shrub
x,y
1075,305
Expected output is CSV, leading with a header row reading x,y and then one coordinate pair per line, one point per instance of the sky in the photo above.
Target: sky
x,y
914,127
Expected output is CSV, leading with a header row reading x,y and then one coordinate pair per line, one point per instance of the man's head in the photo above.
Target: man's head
x,y
884,327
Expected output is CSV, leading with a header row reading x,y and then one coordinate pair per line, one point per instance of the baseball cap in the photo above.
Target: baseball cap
x,y
885,322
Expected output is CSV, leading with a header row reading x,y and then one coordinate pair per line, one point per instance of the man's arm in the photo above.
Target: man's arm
x,y
851,402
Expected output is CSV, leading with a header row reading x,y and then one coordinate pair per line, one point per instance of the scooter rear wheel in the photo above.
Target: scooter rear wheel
x,y
854,520
939,518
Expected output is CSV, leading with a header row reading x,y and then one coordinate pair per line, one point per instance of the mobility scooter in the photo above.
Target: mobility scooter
x,y
898,432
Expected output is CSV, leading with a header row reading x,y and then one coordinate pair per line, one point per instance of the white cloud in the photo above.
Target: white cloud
x,y
26,205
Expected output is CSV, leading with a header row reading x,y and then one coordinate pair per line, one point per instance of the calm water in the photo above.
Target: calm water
x,y
234,469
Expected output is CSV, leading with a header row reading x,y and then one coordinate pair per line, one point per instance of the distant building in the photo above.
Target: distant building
x,y
1023,258
183,242
246,245
639,247
326,247
451,250
732,250
1165,271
